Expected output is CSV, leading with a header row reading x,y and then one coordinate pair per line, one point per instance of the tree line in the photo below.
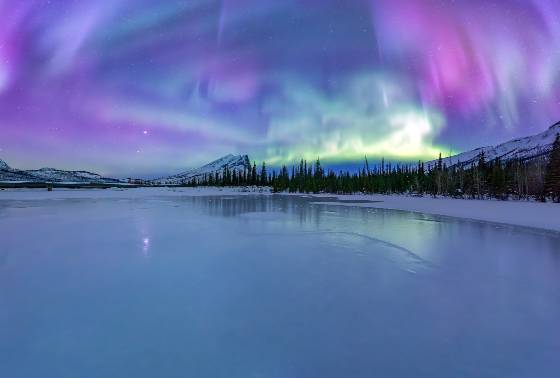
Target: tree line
x,y
537,178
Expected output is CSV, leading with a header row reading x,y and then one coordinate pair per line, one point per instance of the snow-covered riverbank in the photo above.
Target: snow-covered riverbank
x,y
529,214
520,213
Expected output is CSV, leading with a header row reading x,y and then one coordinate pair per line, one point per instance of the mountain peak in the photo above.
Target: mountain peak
x,y
229,159
232,162
4,165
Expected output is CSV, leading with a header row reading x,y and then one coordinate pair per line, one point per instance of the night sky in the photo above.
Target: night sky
x,y
149,86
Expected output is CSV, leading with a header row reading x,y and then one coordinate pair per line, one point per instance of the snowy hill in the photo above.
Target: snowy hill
x,y
8,174
237,163
57,175
523,148
15,175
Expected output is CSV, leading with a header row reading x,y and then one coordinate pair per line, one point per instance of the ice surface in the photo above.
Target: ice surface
x,y
520,213
130,284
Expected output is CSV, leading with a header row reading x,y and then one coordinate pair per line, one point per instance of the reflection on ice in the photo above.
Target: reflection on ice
x,y
146,246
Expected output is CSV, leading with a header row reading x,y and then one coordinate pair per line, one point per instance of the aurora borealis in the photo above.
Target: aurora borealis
x,y
148,86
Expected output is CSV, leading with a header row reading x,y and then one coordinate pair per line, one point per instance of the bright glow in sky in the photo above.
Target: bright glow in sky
x,y
149,86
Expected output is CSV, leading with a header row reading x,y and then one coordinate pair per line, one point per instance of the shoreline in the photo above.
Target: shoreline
x,y
536,215
543,216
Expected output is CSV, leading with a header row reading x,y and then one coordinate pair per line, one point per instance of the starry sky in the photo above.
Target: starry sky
x,y
145,87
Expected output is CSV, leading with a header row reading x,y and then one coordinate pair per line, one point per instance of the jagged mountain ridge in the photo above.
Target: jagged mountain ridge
x,y
237,163
526,148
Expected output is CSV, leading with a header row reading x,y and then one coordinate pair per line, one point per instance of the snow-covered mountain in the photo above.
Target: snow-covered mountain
x,y
523,148
11,175
237,163
57,175
8,174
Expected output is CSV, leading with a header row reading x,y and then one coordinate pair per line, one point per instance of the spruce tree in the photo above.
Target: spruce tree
x,y
481,174
254,174
498,179
263,175
552,178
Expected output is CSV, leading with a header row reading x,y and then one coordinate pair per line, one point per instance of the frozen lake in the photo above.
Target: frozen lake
x,y
270,286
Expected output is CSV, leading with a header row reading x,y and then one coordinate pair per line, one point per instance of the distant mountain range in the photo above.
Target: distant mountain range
x,y
48,175
523,148
527,148
237,163
8,174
